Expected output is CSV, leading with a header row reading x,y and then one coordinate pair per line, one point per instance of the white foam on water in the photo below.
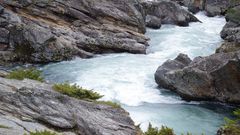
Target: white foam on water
x,y
129,78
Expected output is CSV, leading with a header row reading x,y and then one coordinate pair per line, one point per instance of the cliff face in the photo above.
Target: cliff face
x,y
54,30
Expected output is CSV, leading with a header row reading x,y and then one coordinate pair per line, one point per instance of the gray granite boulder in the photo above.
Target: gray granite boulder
x,y
169,12
214,78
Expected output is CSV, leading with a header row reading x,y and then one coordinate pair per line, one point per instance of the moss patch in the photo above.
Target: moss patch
x,y
233,15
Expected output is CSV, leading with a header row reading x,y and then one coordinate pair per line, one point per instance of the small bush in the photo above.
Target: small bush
x,y
155,131
45,132
76,91
21,74
109,103
232,126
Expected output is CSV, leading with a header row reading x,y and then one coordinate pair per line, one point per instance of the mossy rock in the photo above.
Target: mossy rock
x,y
233,15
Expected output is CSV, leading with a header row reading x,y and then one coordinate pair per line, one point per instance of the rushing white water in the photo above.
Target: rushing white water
x,y
129,78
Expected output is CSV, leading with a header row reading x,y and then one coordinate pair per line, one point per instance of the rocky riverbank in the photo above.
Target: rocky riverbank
x,y
51,31
214,78
30,105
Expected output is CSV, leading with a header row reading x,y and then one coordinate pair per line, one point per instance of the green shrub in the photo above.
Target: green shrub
x,y
21,74
232,126
109,103
155,131
45,132
76,91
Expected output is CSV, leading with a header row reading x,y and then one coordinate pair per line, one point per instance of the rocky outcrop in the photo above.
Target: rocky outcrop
x,y
29,105
169,12
231,31
215,78
228,47
54,30
212,7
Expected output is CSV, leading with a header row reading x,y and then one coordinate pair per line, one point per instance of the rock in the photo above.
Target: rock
x,y
34,105
233,14
179,63
153,22
212,7
194,6
1,9
180,2
3,73
216,7
228,47
231,31
57,30
4,36
169,12
215,78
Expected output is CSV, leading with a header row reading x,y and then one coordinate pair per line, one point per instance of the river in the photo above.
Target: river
x,y
129,78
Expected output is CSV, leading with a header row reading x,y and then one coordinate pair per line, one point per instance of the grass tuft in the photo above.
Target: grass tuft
x,y
109,103
155,131
77,91
45,132
232,126
21,74
2,126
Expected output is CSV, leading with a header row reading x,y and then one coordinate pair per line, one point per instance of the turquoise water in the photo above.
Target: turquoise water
x,y
129,78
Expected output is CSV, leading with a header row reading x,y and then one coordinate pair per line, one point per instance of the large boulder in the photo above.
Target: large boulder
x,y
194,6
48,31
216,7
29,105
215,78
153,22
169,12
